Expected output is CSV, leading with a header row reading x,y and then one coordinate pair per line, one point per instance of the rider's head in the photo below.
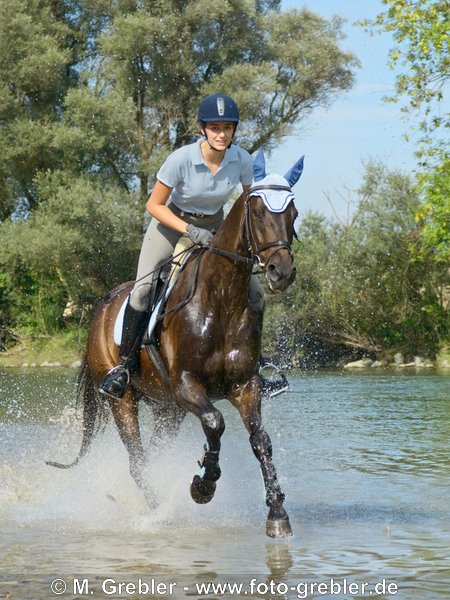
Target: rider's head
x,y
217,109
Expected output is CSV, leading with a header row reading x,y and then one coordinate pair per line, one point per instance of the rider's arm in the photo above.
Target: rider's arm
x,y
156,206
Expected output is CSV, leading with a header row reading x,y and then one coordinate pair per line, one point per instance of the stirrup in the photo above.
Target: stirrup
x,y
113,385
273,387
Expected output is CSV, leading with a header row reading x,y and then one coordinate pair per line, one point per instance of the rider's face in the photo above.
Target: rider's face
x,y
220,134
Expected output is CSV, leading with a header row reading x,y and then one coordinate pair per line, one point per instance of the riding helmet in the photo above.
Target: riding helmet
x,y
218,108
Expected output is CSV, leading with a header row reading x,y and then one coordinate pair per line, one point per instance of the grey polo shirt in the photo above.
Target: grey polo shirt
x,y
195,188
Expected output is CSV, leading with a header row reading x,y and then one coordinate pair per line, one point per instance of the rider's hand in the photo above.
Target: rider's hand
x,y
199,236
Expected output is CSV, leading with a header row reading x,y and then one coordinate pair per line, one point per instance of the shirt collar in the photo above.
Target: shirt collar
x,y
231,154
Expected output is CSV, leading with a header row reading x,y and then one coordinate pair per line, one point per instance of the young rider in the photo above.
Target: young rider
x,y
192,187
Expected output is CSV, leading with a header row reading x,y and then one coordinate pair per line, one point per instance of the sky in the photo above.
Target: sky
x,y
357,127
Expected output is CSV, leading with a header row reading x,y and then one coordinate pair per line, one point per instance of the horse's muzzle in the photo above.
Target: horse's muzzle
x,y
280,272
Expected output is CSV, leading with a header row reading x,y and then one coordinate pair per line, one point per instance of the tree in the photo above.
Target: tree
x,y
434,214
95,94
420,29
360,288
164,56
38,53
422,58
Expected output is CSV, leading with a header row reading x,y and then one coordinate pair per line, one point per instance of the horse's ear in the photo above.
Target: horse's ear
x,y
259,166
293,175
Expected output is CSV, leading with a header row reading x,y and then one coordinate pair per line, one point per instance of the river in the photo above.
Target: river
x,y
363,459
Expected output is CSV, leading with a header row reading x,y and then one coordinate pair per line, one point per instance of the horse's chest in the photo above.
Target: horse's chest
x,y
241,346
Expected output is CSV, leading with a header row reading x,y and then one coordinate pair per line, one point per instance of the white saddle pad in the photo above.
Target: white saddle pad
x,y
118,325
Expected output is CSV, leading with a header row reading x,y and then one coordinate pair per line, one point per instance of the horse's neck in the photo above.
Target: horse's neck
x,y
230,236
233,277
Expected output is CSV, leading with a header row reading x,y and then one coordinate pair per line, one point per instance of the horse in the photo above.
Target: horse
x,y
209,341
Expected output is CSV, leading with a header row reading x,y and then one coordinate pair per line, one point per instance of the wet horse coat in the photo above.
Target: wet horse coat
x,y
210,345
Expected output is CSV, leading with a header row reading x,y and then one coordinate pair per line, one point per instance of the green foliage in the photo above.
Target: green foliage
x,y
421,32
93,96
31,303
64,347
77,234
434,214
37,51
360,287
421,59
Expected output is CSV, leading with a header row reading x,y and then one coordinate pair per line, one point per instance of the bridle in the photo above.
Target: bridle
x,y
249,237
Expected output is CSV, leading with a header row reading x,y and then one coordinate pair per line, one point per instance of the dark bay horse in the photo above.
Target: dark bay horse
x,y
210,346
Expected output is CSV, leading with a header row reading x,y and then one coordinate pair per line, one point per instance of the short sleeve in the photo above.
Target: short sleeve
x,y
246,168
170,171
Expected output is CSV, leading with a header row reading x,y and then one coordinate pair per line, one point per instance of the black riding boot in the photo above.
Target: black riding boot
x,y
134,325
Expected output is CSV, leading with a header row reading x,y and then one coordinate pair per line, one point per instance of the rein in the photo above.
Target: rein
x,y
234,257
249,238
112,294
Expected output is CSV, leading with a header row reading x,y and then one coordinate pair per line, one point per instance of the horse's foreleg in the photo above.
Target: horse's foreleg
x,y
125,412
248,401
278,524
191,395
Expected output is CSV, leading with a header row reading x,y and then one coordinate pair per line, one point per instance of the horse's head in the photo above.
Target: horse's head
x,y
270,216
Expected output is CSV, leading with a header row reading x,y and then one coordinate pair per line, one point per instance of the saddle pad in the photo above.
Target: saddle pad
x,y
176,266
118,325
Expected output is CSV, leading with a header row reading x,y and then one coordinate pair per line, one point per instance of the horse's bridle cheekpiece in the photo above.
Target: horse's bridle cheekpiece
x,y
276,193
249,237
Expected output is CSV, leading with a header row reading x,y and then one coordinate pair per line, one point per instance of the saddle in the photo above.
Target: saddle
x,y
159,294
272,385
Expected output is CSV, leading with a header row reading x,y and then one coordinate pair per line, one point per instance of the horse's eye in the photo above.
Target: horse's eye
x,y
258,214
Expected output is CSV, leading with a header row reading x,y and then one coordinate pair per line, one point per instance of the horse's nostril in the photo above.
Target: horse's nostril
x,y
272,268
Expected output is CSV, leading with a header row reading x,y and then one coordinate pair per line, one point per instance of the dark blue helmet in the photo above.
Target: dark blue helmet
x,y
218,108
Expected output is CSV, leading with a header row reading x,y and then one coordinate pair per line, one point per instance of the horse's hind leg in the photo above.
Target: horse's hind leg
x,y
191,395
248,401
125,413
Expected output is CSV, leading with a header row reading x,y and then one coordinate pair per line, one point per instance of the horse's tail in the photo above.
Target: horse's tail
x,y
95,413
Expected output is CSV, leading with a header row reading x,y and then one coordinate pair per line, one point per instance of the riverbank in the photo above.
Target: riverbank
x,y
63,350
67,349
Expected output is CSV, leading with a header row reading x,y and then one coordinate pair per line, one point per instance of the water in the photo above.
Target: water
x,y
363,458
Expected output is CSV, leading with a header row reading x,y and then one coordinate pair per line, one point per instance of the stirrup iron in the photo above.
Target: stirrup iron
x,y
272,387
110,382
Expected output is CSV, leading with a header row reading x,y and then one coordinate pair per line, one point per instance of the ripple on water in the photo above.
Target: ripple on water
x,y
363,461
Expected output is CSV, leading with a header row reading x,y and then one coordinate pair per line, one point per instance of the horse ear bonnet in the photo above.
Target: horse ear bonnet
x,y
275,200
293,175
259,166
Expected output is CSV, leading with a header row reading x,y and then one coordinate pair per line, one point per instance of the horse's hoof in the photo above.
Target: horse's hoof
x,y
202,491
276,528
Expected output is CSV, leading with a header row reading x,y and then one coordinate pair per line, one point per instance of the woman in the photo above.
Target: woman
x,y
192,187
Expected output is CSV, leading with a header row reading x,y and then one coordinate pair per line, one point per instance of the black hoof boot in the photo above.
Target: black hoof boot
x,y
203,488
116,383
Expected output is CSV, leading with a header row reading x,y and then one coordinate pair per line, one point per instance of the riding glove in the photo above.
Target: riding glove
x,y
199,236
